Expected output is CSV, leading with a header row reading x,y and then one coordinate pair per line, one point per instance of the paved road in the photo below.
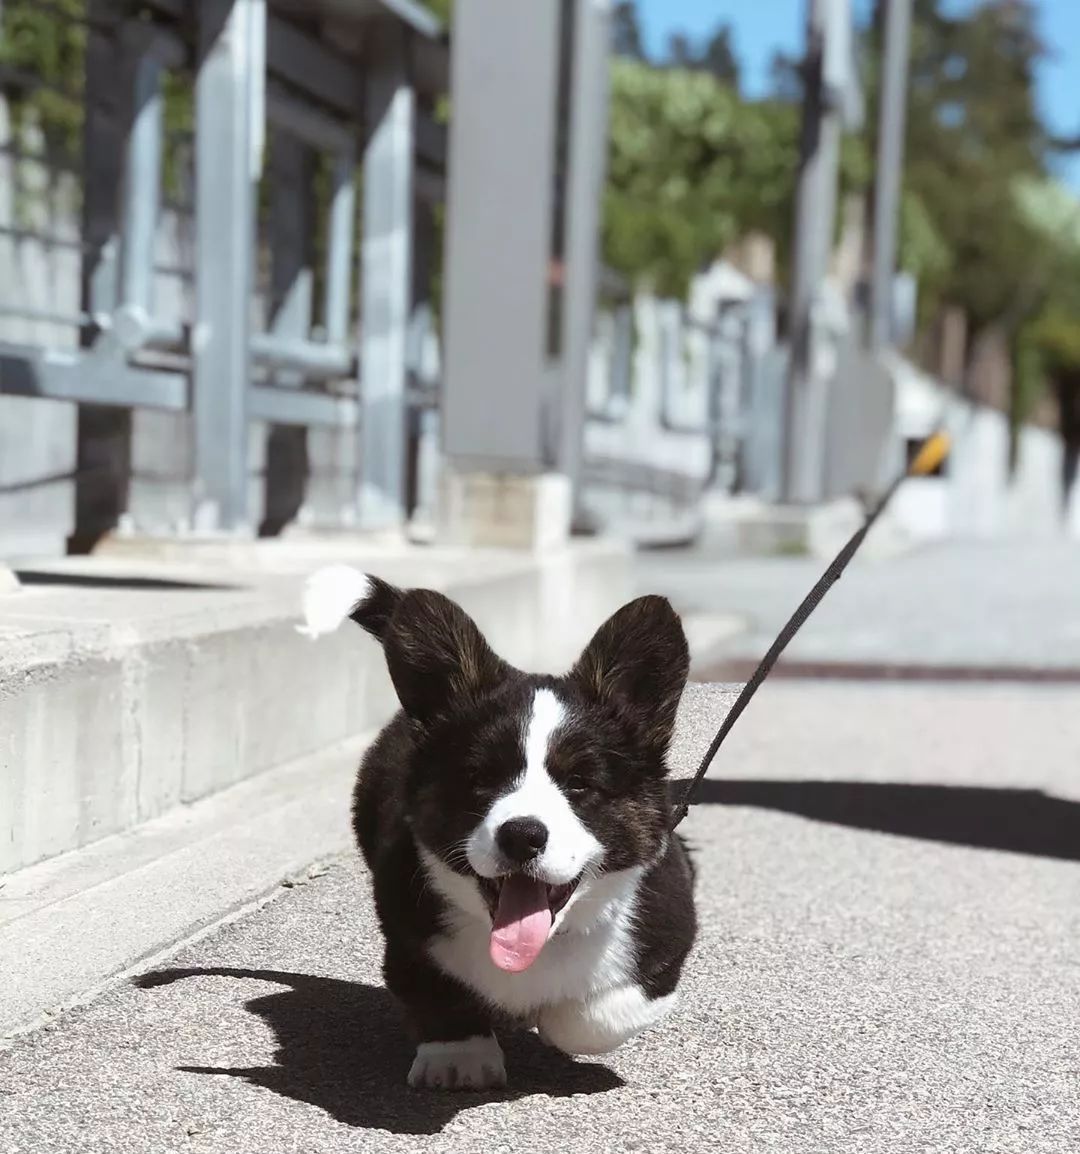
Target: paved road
x,y
891,965
988,604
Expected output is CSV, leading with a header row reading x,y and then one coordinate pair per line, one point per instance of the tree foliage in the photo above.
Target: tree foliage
x,y
716,56
42,53
444,9
1047,344
1008,235
719,57
692,167
973,133
626,31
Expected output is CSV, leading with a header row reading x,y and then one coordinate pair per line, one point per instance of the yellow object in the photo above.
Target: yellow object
x,y
933,452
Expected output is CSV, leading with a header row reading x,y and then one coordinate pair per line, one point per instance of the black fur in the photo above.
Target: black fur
x,y
457,745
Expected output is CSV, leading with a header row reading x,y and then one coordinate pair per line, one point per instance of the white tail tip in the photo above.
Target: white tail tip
x,y
330,595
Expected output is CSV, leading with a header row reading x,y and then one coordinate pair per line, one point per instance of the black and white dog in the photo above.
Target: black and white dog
x,y
516,829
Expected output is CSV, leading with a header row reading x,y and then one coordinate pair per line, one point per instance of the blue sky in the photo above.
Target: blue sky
x,y
762,26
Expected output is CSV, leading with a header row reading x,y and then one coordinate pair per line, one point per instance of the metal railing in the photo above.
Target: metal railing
x,y
260,79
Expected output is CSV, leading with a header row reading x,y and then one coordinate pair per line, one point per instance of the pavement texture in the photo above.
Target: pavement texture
x,y
962,604
889,961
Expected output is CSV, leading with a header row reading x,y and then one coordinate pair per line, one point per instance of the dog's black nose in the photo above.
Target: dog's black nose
x,y
522,838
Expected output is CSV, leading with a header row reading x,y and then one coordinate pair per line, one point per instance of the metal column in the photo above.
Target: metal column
x,y
339,247
826,76
228,116
584,188
386,280
498,240
142,181
292,291
104,433
889,167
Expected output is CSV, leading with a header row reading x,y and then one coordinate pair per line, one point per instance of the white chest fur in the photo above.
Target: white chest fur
x,y
592,949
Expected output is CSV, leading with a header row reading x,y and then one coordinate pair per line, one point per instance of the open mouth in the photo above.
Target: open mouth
x,y
557,896
523,911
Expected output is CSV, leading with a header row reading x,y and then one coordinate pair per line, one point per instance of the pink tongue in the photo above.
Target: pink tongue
x,y
522,924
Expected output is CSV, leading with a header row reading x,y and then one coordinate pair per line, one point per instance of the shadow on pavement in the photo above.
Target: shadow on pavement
x,y
343,1046
112,581
1024,821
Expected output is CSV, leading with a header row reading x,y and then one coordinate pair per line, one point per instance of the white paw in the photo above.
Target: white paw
x,y
472,1064
603,1023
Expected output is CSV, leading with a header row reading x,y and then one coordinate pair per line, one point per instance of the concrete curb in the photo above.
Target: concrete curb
x,y
127,689
70,925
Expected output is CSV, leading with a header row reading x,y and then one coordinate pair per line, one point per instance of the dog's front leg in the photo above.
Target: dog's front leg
x,y
602,1023
456,1049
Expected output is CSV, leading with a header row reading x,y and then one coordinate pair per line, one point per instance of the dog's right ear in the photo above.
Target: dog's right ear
x,y
435,653
638,660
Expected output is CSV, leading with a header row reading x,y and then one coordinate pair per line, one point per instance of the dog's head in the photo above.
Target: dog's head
x,y
530,797
525,790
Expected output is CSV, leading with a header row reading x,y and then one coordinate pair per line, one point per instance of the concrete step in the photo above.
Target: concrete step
x,y
751,527
131,686
70,925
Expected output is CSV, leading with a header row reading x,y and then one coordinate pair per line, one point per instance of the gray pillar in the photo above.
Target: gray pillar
x,y
422,422
584,189
386,280
805,410
109,76
291,290
499,214
340,238
104,433
622,354
142,185
889,167
518,271
228,109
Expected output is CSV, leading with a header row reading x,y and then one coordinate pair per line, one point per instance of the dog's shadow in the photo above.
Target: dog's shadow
x,y
342,1046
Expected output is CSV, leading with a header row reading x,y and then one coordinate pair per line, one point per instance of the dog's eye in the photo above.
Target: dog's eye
x,y
577,786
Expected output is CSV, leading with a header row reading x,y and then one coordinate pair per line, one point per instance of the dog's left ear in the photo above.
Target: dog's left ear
x,y
638,660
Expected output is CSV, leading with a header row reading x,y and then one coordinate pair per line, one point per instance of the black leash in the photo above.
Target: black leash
x,y
933,451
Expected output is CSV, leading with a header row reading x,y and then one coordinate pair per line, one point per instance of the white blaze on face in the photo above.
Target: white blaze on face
x,y
570,845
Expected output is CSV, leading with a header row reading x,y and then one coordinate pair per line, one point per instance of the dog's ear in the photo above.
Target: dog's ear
x,y
638,661
436,653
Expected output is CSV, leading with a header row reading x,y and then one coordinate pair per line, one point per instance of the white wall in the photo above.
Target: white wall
x,y
37,438
977,497
636,434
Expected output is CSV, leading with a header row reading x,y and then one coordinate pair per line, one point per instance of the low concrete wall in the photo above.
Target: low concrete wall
x,y
977,496
119,702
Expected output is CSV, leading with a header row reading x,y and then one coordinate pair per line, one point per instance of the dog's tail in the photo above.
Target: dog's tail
x,y
338,592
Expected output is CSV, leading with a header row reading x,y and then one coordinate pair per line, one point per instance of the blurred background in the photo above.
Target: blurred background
x,y
706,268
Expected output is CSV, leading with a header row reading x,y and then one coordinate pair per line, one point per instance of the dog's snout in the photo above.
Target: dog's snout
x,y
522,838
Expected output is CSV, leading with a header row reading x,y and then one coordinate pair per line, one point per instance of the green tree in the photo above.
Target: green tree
x,y
692,168
444,9
785,78
1047,344
719,58
680,53
41,70
626,31
973,132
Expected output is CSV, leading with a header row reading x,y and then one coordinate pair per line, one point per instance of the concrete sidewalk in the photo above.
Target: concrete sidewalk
x,y
893,966
954,605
